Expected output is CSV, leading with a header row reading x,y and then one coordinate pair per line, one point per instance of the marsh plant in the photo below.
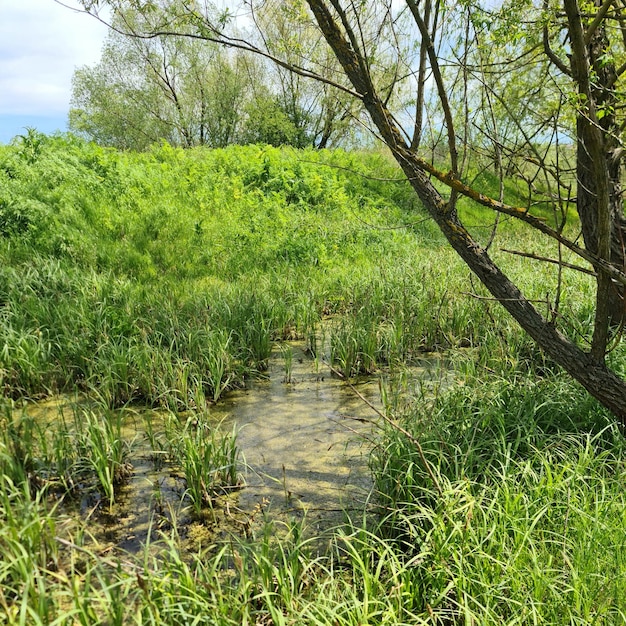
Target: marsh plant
x,y
18,455
219,368
207,457
519,473
155,434
56,454
30,553
287,353
107,452
344,352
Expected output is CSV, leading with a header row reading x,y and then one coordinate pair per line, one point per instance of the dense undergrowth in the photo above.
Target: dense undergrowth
x,y
163,278
146,276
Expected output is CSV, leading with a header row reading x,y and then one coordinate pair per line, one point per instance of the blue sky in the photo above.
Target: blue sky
x,y
41,44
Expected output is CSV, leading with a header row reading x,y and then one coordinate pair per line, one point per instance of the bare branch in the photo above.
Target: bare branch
x,y
548,49
421,86
221,38
434,65
536,257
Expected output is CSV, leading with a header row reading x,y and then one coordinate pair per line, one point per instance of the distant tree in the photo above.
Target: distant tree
x,y
321,114
178,86
145,90
266,121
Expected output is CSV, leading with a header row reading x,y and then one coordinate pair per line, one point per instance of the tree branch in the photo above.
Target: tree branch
x,y
536,257
597,21
221,38
441,91
548,49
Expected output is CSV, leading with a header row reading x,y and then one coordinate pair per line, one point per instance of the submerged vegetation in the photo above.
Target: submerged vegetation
x,y
163,279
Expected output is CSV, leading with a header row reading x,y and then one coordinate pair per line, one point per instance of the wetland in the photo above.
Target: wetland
x,y
300,440
176,449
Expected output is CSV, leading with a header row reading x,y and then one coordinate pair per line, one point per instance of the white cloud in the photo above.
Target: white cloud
x,y
41,44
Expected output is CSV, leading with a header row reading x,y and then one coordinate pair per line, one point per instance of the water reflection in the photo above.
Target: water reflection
x,y
304,442
304,437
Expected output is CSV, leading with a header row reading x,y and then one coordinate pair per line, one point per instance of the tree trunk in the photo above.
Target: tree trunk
x,y
594,376
604,99
590,372
586,204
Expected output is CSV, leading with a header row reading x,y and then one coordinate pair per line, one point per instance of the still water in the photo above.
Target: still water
x,y
303,435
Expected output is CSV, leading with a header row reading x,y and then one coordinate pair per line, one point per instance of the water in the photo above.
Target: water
x,y
304,437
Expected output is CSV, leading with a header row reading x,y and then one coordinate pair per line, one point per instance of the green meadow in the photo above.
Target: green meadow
x,y
163,280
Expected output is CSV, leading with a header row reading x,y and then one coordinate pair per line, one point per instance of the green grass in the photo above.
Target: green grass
x,y
526,525
207,457
164,279
526,522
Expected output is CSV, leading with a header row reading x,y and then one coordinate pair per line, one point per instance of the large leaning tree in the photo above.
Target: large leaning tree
x,y
538,85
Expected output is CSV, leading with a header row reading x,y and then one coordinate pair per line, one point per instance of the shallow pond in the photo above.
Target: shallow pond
x,y
303,437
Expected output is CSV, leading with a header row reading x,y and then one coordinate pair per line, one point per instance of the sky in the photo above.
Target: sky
x,y
41,44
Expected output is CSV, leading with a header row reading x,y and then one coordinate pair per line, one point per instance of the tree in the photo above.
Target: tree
x,y
321,114
580,51
145,90
599,201
268,122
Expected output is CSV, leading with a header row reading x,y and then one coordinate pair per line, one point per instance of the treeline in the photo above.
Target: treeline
x,y
191,92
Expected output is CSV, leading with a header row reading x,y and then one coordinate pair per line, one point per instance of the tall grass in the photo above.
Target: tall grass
x,y
207,457
164,279
528,480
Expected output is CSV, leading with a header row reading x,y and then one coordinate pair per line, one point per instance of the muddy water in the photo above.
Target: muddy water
x,y
150,503
303,435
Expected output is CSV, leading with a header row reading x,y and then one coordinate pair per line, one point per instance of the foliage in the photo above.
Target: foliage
x,y
268,122
191,92
96,293
320,113
163,278
528,526
97,296
178,90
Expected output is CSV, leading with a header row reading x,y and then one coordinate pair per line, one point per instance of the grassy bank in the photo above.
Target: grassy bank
x,y
158,276
524,523
162,279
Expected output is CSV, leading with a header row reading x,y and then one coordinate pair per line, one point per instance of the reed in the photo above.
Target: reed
x,y
521,470
287,354
208,458
106,451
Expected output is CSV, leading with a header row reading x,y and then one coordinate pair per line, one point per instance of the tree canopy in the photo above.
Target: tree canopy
x,y
187,91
